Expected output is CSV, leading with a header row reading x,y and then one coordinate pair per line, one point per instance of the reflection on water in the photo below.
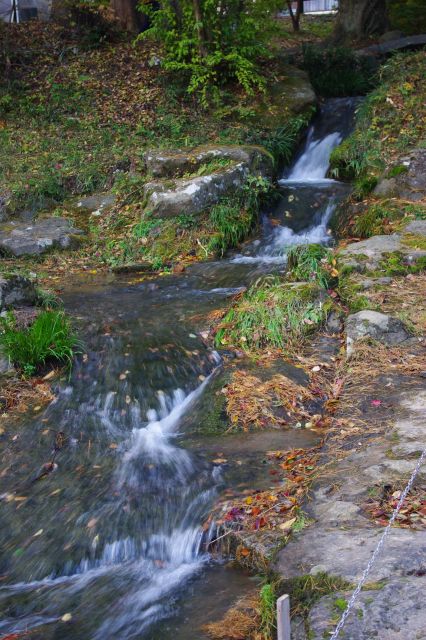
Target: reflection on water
x,y
114,536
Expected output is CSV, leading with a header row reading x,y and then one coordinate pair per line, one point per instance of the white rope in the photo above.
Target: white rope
x,y
378,548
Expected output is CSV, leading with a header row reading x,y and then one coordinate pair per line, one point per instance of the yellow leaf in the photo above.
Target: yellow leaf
x,y
286,526
249,500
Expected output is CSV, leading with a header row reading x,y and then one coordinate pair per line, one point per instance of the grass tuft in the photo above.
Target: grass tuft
x,y
272,313
49,339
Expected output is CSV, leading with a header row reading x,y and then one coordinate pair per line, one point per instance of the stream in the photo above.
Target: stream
x,y
113,539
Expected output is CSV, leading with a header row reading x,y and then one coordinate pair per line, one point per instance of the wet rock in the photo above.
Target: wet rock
x,y
19,238
16,290
166,164
410,184
6,367
373,324
193,196
394,612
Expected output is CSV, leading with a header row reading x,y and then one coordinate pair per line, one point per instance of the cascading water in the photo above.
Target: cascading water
x,y
113,535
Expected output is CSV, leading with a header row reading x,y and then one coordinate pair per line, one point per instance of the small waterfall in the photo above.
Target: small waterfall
x,y
313,164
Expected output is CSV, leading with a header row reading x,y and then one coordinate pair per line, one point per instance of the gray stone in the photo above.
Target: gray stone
x,y
370,283
4,199
334,323
346,552
410,184
386,188
372,324
15,291
195,195
417,227
174,163
373,248
394,612
19,238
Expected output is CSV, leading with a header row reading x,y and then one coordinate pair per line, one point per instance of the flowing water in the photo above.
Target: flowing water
x,y
114,536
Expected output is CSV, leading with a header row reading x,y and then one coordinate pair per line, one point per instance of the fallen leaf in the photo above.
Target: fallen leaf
x,y
286,526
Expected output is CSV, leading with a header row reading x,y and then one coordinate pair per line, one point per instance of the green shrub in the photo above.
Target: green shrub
x,y
49,339
338,71
274,313
224,42
309,262
407,15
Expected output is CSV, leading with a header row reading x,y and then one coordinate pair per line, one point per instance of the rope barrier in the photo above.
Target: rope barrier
x,y
378,548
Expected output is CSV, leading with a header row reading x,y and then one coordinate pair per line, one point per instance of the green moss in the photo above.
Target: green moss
x,y
397,171
414,241
340,604
395,264
349,294
305,591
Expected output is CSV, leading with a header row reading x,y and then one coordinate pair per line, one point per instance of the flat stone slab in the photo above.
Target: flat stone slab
x,y
346,552
390,613
373,248
20,238
175,163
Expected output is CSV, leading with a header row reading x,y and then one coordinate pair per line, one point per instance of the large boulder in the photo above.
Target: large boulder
x,y
192,196
174,163
16,290
375,325
20,238
168,198
290,93
410,184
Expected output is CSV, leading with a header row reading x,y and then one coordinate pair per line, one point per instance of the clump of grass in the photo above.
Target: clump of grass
x,y
305,591
376,219
272,313
268,611
349,292
49,339
311,262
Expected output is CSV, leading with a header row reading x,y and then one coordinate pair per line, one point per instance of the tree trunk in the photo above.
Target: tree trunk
x,y
128,16
200,29
295,17
361,18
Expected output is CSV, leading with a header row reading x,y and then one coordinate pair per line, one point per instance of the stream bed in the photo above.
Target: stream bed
x,y
113,539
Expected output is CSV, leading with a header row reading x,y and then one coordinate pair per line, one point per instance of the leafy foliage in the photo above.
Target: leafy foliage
x,y
338,71
407,15
212,42
49,338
